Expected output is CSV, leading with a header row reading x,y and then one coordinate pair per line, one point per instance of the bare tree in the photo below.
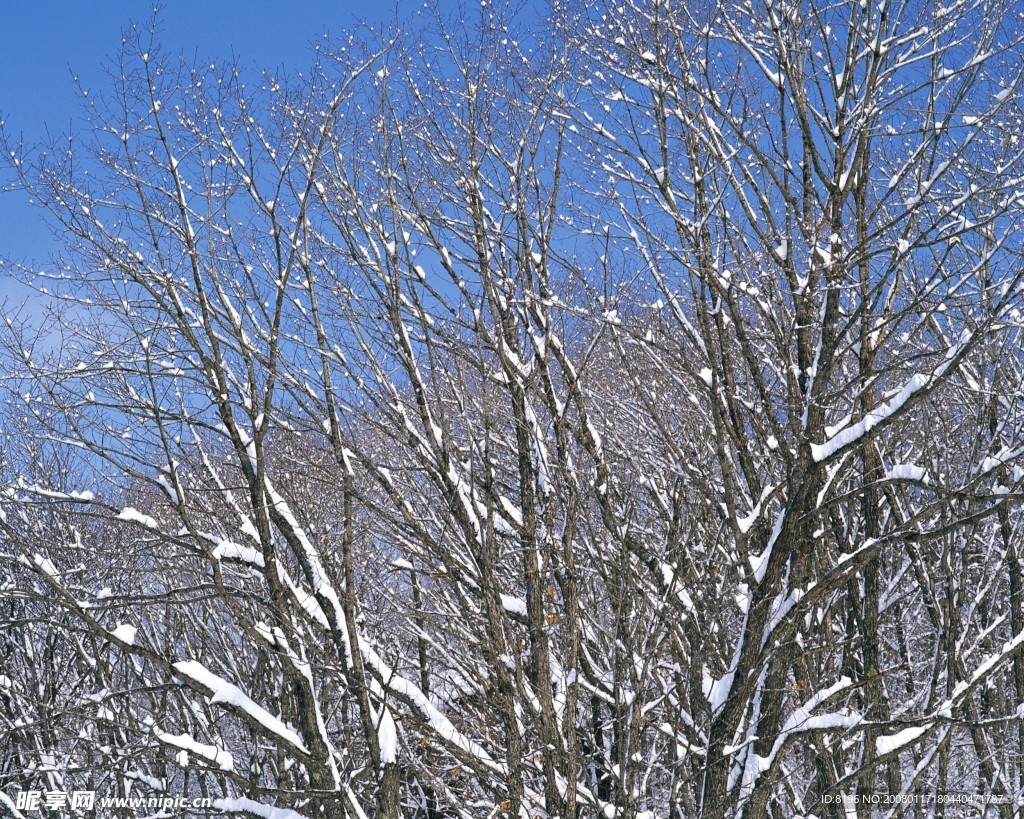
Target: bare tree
x,y
614,414
825,202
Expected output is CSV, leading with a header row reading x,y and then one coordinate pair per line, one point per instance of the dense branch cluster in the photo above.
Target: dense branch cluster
x,y
611,412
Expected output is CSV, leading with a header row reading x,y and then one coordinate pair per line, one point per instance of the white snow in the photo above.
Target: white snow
x,y
513,605
746,522
321,583
849,434
229,550
248,528
306,601
510,509
84,496
134,515
9,804
243,805
387,735
719,690
221,691
801,721
749,520
780,608
907,472
409,691
46,566
211,753
168,488
892,742
759,563
125,633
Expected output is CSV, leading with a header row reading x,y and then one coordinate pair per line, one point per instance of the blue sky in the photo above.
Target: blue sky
x,y
43,44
